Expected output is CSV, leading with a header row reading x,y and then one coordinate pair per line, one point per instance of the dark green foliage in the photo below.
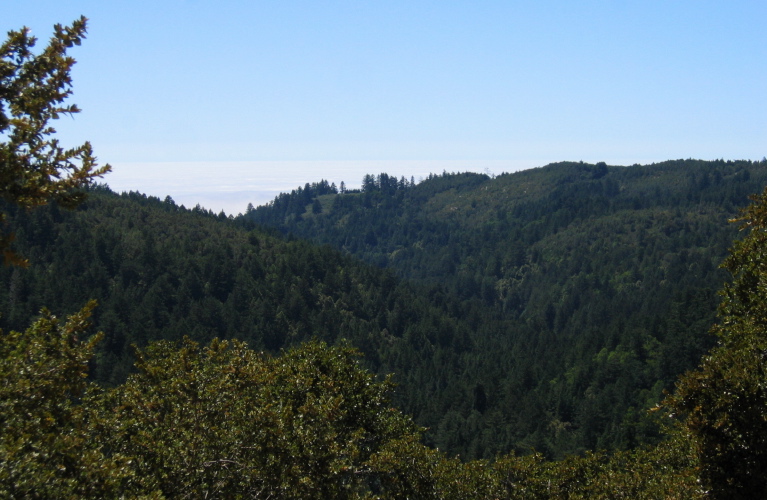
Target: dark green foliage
x,y
588,289
667,470
723,404
216,422
161,272
571,331
46,450
571,336
225,421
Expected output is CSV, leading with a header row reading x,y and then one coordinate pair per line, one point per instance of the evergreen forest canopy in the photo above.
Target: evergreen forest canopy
x,y
527,321
587,289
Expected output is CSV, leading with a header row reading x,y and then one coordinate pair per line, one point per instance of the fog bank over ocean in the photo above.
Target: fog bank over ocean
x,y
230,186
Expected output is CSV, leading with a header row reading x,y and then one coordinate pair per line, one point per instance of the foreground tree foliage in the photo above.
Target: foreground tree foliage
x,y
46,447
224,421
34,168
724,403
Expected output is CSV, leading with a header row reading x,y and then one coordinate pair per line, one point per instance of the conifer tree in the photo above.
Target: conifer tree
x,y
34,167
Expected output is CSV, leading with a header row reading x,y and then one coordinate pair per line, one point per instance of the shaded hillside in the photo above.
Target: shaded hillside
x,y
160,271
600,281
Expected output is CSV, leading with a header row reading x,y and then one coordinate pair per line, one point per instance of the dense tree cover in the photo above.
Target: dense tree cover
x,y
162,272
572,366
224,421
139,437
593,288
723,403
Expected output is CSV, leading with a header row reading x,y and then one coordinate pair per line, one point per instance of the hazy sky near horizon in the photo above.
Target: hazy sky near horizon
x,y
229,102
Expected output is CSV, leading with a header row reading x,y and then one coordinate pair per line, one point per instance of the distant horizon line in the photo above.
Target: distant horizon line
x,y
230,185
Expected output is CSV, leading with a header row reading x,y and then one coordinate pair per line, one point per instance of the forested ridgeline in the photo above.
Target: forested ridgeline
x,y
534,334
462,229
587,288
223,419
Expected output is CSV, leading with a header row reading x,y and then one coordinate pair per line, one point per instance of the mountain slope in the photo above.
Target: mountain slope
x,y
160,271
595,285
543,309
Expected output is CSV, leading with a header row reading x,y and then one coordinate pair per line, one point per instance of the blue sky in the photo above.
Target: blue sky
x,y
227,102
